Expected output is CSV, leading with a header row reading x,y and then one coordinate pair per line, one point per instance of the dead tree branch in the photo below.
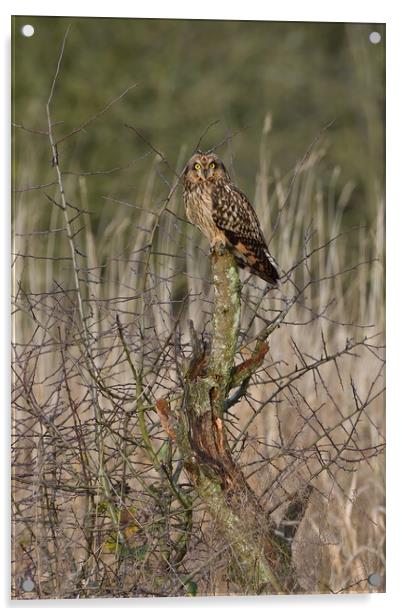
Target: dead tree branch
x,y
198,429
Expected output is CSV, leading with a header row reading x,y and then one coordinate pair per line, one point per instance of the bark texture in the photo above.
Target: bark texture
x,y
260,559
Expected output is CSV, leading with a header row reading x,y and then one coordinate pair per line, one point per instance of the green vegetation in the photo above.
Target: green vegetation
x,y
192,73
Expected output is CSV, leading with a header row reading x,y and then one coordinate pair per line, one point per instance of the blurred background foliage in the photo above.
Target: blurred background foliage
x,y
188,75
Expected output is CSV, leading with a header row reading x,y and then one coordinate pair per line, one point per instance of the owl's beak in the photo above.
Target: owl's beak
x,y
205,173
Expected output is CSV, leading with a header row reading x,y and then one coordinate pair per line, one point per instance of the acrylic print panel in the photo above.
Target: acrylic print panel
x,y
184,424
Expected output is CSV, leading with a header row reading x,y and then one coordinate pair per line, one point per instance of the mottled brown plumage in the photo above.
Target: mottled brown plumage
x,y
224,214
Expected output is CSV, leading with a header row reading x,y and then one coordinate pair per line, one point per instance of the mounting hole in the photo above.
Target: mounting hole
x,y
28,585
375,38
374,579
28,30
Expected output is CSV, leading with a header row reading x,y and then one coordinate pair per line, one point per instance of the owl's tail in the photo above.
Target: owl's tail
x,y
267,271
260,264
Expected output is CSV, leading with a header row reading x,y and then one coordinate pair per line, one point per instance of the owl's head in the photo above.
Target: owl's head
x,y
204,167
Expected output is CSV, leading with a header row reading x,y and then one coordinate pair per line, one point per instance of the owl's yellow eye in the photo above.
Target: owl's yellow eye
x,y
197,166
212,166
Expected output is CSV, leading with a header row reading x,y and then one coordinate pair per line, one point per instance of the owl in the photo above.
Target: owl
x,y
224,214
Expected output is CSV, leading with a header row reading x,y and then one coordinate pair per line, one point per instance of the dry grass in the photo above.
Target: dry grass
x,y
83,468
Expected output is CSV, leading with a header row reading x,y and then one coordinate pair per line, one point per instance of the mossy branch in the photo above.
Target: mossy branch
x,y
197,427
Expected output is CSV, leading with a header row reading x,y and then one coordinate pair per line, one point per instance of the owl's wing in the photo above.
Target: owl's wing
x,y
234,215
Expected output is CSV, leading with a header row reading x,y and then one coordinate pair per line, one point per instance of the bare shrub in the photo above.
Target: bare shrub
x,y
105,326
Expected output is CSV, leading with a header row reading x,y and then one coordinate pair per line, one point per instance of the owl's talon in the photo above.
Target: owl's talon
x,y
218,248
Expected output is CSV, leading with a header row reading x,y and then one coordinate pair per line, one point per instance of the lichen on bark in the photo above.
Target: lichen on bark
x,y
198,427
